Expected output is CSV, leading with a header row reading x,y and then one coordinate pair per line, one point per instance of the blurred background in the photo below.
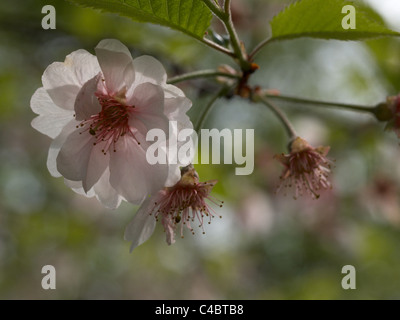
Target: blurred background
x,y
266,246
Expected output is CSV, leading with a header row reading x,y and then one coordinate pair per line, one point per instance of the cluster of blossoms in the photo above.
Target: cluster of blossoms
x,y
98,109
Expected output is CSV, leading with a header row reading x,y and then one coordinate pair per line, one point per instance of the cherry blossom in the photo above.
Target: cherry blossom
x,y
306,168
98,109
183,203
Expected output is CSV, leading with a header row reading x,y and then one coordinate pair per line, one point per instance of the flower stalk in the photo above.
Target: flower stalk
x,y
209,107
202,74
279,113
352,107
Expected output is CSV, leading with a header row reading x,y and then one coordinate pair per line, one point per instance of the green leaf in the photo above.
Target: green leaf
x,y
189,16
323,19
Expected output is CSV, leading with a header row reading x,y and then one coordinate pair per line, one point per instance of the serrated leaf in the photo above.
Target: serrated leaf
x,y
189,16
323,19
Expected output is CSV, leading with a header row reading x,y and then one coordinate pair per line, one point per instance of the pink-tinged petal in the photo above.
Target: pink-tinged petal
x,y
51,119
86,103
74,156
169,228
172,91
76,186
130,173
83,64
105,193
149,69
56,145
174,175
63,80
182,133
148,100
61,84
96,166
176,109
116,63
142,225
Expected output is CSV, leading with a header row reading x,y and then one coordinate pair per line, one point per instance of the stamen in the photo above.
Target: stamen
x,y
111,123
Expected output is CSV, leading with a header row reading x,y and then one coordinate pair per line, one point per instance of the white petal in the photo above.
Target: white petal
x,y
83,64
56,146
149,69
116,63
97,164
80,160
142,226
51,119
172,91
61,84
86,103
176,108
73,158
130,173
174,175
63,80
76,186
105,193
148,100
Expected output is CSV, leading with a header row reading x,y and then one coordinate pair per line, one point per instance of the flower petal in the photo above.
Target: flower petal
x,y
51,119
55,148
61,84
105,193
142,226
83,64
86,103
96,166
174,175
116,63
172,91
176,109
63,80
169,228
149,69
130,173
76,186
148,100
74,156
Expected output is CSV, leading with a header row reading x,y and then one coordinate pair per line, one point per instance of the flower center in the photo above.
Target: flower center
x,y
111,123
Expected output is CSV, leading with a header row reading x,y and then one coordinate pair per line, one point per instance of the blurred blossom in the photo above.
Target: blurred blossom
x,y
381,198
256,213
350,173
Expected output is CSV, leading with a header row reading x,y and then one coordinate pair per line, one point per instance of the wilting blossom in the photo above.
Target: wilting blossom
x,y
98,109
306,168
184,204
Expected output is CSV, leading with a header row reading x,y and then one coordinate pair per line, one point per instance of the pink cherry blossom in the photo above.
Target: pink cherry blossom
x,y
183,203
306,168
98,109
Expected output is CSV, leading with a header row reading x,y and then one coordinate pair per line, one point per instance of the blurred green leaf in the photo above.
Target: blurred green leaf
x,y
190,16
323,19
